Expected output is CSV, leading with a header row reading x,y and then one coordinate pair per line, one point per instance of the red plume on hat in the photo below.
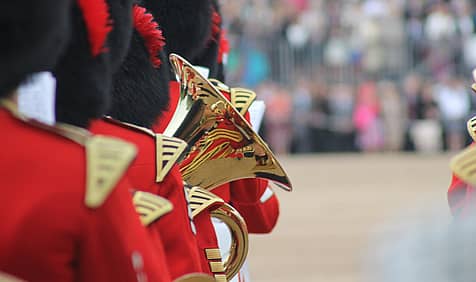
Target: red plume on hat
x,y
216,25
84,73
98,23
148,29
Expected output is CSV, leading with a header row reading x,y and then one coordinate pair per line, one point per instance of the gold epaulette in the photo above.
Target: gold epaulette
x,y
471,126
464,165
169,150
201,200
241,98
106,159
150,207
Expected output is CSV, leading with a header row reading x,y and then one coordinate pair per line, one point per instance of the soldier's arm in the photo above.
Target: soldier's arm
x,y
256,202
116,246
177,232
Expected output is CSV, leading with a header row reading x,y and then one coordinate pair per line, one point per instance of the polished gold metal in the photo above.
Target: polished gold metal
x,y
213,253
195,277
169,150
201,200
239,234
150,207
220,278
107,159
464,165
217,266
222,145
240,98
471,126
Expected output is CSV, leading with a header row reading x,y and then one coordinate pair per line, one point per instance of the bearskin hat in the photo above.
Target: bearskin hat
x,y
209,56
84,73
119,38
34,34
186,24
140,87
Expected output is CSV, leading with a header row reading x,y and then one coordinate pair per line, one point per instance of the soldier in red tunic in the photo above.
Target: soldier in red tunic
x,y
64,201
166,12
204,45
140,94
207,47
461,193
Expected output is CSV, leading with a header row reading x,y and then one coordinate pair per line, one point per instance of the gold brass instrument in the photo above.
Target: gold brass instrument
x,y
195,277
223,147
201,200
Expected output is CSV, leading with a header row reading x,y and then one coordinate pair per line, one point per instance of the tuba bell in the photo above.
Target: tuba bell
x,y
223,147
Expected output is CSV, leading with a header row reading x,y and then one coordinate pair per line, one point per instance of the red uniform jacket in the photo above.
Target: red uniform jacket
x,y
206,235
461,197
47,231
179,242
244,195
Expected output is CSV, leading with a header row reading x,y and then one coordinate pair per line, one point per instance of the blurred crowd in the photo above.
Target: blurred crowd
x,y
357,75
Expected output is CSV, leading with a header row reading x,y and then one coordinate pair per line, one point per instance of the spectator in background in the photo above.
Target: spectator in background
x,y
393,116
278,117
341,107
454,105
367,119
302,105
441,31
423,131
426,131
319,119
343,42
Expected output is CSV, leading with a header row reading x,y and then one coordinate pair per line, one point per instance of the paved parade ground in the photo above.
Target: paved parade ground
x,y
340,202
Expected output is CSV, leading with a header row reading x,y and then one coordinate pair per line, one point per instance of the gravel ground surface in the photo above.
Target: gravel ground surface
x,y
340,203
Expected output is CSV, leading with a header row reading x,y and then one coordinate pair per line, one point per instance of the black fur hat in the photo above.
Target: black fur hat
x,y
186,24
34,34
208,56
119,38
84,73
140,87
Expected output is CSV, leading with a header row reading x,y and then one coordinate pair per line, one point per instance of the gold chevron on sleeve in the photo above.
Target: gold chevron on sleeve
x,y
471,126
242,99
196,277
201,199
106,161
150,207
464,165
169,150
